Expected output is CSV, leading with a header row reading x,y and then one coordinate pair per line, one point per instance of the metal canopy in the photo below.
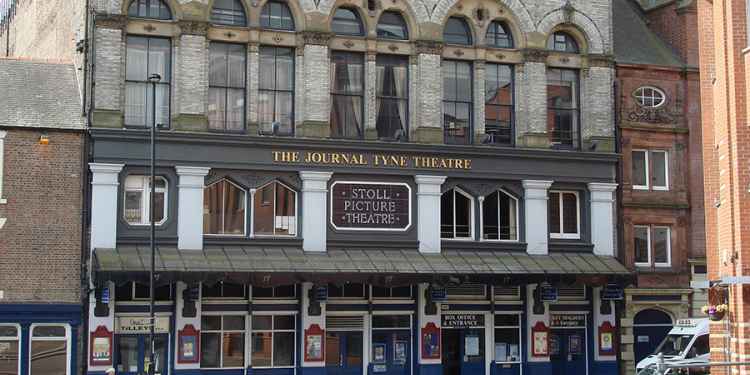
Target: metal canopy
x,y
244,263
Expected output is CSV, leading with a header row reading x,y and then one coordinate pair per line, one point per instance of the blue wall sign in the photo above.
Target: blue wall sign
x,y
439,295
613,292
548,293
321,293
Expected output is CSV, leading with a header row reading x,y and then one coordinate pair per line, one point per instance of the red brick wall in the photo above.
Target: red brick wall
x,y
726,153
677,27
40,245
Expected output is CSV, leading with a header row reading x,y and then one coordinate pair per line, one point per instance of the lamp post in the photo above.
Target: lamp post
x,y
153,79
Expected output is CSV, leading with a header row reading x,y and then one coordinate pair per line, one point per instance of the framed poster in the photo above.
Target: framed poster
x,y
471,345
514,354
540,340
188,340
378,352
101,347
399,352
430,341
574,344
501,352
314,343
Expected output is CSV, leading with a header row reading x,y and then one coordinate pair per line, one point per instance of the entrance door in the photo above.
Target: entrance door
x,y
133,354
391,352
568,351
344,353
463,351
650,327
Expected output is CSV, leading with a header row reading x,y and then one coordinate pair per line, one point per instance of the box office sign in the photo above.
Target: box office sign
x,y
463,320
138,324
370,206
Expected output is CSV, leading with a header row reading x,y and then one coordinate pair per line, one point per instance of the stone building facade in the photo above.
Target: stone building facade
x,y
350,187
661,202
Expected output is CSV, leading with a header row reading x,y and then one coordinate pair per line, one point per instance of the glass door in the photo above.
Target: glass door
x,y
133,354
568,351
390,352
473,351
344,353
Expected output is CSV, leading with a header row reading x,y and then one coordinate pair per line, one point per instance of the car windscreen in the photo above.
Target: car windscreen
x,y
674,345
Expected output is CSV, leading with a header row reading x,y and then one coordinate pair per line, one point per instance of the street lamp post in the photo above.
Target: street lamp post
x,y
153,79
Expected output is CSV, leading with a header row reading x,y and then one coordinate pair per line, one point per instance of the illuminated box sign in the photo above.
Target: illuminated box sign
x,y
370,206
613,292
462,320
128,325
567,320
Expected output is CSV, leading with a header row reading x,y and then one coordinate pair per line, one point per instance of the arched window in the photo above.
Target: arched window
x,y
392,26
562,42
276,15
155,9
275,211
456,215
650,97
498,35
228,12
346,22
224,209
500,217
457,32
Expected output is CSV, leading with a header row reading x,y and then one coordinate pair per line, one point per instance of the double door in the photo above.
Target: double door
x,y
568,351
390,352
463,351
344,352
133,354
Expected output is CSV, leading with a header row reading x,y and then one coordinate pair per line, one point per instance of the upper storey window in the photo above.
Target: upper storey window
x,y
650,97
392,97
457,101
346,22
347,95
392,26
498,35
563,107
457,32
228,12
226,91
147,56
155,9
276,15
562,42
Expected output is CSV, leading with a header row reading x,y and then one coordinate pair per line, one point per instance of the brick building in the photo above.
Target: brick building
x,y
41,182
661,201
724,82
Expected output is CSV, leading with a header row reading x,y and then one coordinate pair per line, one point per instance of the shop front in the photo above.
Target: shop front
x,y
568,344
132,345
463,339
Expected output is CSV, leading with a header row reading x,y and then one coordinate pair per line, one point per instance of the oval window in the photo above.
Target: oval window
x,y
650,97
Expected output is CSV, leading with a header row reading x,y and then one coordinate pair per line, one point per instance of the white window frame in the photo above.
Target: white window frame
x,y
471,216
247,291
562,234
640,96
666,170
17,337
646,169
66,339
481,217
669,246
252,293
223,209
296,212
520,337
272,330
146,198
3,133
221,332
371,289
365,289
650,246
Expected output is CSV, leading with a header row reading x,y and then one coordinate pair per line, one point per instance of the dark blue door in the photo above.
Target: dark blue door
x,y
568,352
133,354
390,352
344,353
650,327
463,351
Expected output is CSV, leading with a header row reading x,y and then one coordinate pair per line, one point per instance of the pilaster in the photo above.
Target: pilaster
x,y
602,218
190,207
314,209
428,212
536,215
104,183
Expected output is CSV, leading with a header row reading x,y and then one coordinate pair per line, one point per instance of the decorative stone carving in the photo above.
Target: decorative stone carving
x,y
535,55
392,47
193,27
316,37
111,21
348,44
568,12
652,115
429,47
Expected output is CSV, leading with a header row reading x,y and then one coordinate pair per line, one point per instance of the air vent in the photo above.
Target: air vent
x,y
507,294
467,291
345,322
572,294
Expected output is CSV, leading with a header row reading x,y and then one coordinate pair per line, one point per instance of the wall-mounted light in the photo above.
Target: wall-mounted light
x,y
44,139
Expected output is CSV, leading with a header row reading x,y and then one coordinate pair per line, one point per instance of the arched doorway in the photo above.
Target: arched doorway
x,y
650,327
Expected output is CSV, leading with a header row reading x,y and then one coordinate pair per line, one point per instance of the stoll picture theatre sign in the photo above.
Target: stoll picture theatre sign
x,y
370,206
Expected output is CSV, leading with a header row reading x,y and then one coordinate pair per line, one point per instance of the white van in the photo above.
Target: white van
x,y
686,343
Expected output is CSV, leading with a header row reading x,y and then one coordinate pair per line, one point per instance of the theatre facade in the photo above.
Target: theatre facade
x,y
344,188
